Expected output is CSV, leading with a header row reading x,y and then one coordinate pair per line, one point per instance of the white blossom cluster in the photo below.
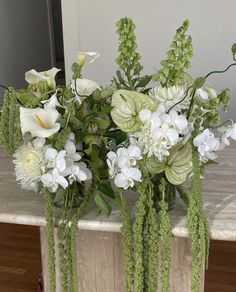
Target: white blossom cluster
x,y
123,167
160,131
207,143
35,162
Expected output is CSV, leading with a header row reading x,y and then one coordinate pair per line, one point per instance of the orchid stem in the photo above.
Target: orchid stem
x,y
220,71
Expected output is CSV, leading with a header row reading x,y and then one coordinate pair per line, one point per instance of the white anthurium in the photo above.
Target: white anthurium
x,y
127,177
77,172
83,88
87,57
112,163
52,102
33,77
175,121
71,154
53,180
55,159
127,157
39,122
207,144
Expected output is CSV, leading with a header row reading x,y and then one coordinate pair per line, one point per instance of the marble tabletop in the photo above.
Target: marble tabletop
x,y
219,186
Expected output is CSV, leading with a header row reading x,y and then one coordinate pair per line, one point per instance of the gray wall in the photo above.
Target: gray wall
x,y
25,39
212,27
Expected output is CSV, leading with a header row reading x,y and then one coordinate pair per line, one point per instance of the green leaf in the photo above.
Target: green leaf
x,y
102,204
60,196
76,69
143,82
120,78
106,189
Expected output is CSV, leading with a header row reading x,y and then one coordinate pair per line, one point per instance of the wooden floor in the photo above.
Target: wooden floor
x,y
20,262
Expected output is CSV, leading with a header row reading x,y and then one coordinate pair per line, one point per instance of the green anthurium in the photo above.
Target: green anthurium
x,y
177,166
127,105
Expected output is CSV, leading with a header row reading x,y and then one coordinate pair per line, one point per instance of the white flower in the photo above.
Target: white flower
x,y
52,102
71,154
127,177
207,144
113,168
55,159
82,88
39,122
77,172
87,57
127,157
175,121
169,96
29,164
33,77
206,93
53,179
226,133
39,142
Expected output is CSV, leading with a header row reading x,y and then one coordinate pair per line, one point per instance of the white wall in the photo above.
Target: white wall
x,y
212,27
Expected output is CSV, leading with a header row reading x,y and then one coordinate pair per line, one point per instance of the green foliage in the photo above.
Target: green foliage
x,y
197,225
127,237
165,235
178,59
62,137
128,59
50,241
10,133
212,116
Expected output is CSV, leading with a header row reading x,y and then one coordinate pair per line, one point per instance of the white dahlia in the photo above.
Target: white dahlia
x,y
169,96
29,164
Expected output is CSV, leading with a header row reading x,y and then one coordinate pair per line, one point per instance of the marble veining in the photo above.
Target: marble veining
x,y
219,186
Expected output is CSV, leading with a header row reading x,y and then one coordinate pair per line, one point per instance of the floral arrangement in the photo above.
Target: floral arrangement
x,y
146,133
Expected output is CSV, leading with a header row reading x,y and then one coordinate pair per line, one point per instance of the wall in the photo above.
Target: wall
x,y
25,40
212,26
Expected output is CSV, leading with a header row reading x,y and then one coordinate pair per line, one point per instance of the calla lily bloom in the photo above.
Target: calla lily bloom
x,y
52,102
39,122
87,57
83,87
33,77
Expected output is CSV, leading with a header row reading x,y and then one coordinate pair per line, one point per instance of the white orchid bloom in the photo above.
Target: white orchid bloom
x,y
175,121
53,179
77,172
206,93
207,144
82,88
112,163
71,154
87,57
127,157
55,159
52,102
33,77
226,133
39,122
127,177
165,136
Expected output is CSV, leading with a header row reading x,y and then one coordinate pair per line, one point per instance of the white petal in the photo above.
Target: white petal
x,y
121,181
145,115
51,154
46,179
70,147
134,151
62,182
85,87
135,173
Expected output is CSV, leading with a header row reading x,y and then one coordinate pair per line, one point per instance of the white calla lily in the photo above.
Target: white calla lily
x,y
39,122
52,102
87,57
33,77
83,87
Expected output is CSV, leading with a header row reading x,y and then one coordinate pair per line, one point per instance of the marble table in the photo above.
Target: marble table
x,y
100,263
